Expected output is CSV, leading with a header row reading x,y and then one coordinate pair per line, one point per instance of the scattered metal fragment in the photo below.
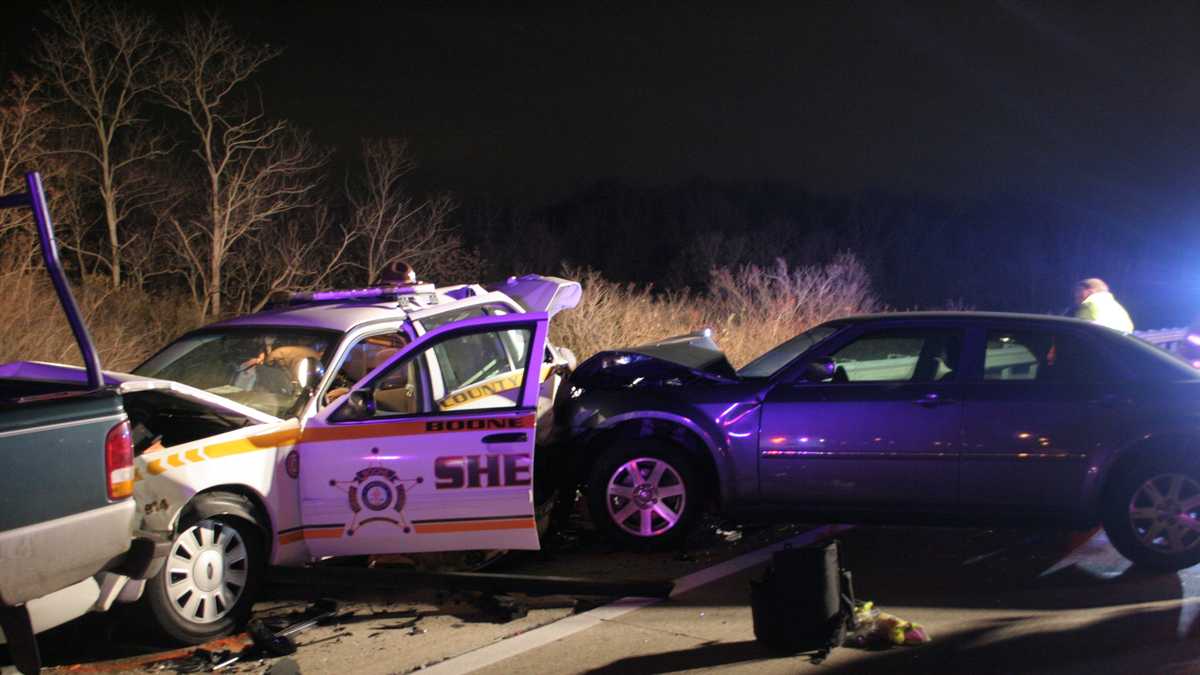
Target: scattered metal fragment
x,y
730,535
272,644
264,642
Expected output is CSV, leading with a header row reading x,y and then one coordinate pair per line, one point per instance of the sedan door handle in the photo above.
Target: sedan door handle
x,y
511,437
933,400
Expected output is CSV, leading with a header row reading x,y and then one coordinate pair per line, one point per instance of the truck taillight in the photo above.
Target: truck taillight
x,y
118,461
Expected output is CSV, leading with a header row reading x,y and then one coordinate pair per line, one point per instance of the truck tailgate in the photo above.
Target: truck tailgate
x,y
57,525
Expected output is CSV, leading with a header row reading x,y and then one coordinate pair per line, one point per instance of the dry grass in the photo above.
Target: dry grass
x,y
750,309
126,325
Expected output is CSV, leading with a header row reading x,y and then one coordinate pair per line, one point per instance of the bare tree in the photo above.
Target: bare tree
x,y
305,251
254,169
99,64
392,225
23,125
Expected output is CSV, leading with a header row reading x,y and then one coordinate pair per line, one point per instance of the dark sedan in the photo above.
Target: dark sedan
x,y
947,417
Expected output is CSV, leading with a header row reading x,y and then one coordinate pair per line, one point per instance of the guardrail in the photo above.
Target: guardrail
x,y
1164,338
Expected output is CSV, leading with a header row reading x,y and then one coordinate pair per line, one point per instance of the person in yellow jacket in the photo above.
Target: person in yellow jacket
x,y
1094,302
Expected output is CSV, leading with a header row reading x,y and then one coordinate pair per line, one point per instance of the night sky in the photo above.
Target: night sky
x,y
1096,104
971,98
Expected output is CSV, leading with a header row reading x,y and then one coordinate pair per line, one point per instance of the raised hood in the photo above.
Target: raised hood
x,y
537,293
129,384
670,361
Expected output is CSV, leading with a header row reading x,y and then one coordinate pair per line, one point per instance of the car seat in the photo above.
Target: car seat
x,y
395,392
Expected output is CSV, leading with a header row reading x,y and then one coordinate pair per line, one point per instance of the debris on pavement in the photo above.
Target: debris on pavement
x,y
503,608
731,535
265,642
871,628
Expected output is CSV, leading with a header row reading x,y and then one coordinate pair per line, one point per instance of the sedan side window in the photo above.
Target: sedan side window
x,y
1038,355
899,355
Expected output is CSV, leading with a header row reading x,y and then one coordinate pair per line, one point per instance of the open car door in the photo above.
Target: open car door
x,y
432,450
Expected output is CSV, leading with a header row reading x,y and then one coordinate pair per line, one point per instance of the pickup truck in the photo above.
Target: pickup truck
x,y
67,512
392,420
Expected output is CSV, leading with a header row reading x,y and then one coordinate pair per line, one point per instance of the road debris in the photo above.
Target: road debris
x,y
264,642
872,628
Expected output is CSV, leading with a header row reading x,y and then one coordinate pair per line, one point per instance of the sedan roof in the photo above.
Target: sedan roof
x,y
966,317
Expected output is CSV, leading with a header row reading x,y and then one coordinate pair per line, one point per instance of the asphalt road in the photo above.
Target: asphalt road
x,y
993,601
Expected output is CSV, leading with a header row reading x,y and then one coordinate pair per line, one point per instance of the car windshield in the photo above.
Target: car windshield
x,y
271,369
770,363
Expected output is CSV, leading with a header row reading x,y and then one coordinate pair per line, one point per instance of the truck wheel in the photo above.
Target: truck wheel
x,y
210,580
1152,513
644,495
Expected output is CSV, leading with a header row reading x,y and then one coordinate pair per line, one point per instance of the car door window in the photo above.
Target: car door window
x,y
1042,356
366,355
476,371
900,355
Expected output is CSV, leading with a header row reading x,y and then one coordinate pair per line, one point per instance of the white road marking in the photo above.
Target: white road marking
x,y
517,645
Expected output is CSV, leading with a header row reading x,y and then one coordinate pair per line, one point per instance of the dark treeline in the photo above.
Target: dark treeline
x,y
1005,253
170,173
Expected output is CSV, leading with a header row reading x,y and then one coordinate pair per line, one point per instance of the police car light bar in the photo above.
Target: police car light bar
x,y
371,293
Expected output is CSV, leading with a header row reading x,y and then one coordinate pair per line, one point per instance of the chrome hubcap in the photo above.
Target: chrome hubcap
x,y
1165,513
646,497
206,571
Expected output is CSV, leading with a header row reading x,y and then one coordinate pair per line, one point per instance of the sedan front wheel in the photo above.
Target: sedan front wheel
x,y
644,495
207,586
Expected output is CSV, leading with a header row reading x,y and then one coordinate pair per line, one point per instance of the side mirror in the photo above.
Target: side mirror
x,y
308,372
819,370
359,405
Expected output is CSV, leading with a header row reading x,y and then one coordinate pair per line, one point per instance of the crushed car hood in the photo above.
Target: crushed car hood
x,y
672,360
128,384
537,293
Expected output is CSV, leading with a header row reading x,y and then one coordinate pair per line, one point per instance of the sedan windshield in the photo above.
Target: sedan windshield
x,y
269,368
770,363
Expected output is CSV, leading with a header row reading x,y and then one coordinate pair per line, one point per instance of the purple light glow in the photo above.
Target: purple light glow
x,y
737,416
1194,338
725,412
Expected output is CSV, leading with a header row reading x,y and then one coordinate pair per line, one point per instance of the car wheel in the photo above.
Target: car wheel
x,y
209,582
1152,513
644,495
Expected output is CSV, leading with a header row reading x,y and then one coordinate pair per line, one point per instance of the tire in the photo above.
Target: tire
x,y
210,580
1151,513
653,510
